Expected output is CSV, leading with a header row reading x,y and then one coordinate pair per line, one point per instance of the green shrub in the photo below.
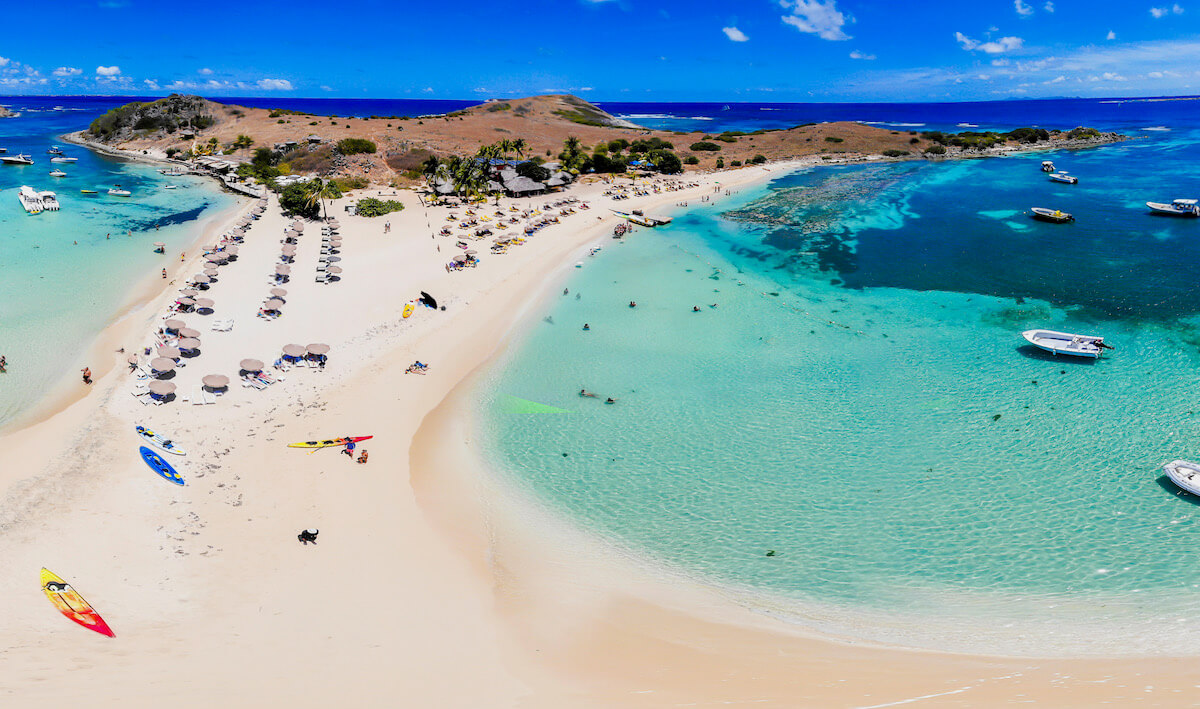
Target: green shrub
x,y
893,153
704,146
914,141
533,171
295,200
345,184
616,146
726,138
602,163
834,139
354,146
371,207
1082,132
649,144
665,161
720,163
736,163
691,160
758,159
936,150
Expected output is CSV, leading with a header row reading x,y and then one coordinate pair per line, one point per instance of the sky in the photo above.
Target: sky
x,y
607,50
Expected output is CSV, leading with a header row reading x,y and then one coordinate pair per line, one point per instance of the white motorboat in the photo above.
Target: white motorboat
x,y
1056,216
1185,474
61,158
1066,343
173,172
1047,166
1178,208
115,192
54,150
29,199
49,201
1062,176
57,173
16,160
171,187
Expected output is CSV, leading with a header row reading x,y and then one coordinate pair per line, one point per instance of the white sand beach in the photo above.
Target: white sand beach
x,y
429,585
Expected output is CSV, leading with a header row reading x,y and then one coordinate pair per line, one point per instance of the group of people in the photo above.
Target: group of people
x,y
590,395
417,367
349,450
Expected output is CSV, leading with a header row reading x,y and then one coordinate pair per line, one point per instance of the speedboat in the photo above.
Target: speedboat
x,y
170,187
49,201
57,173
1056,216
29,199
1066,343
1063,177
1047,166
1178,208
54,150
115,192
60,158
16,160
1185,474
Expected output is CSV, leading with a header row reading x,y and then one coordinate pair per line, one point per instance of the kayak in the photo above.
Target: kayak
x,y
68,602
89,191
330,443
160,466
408,309
158,441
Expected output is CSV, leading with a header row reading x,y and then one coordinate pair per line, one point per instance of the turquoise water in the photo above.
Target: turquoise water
x,y
56,295
860,402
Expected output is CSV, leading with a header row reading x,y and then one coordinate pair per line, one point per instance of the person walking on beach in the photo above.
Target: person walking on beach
x,y
164,273
307,536
349,450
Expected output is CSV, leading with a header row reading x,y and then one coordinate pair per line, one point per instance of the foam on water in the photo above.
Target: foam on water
x,y
860,403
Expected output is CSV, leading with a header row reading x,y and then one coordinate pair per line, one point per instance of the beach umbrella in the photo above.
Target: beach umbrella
x,y
159,244
168,352
162,364
215,381
251,365
293,350
298,226
231,250
278,292
283,270
173,324
461,258
189,292
161,388
205,302
288,250
189,343
201,278
333,222
317,348
334,269
273,304
471,252
331,259
188,332
217,257
210,272
185,301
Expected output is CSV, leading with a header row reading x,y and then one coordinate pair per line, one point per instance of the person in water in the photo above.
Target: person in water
x,y
633,304
3,364
610,400
585,392
695,308
307,536
586,327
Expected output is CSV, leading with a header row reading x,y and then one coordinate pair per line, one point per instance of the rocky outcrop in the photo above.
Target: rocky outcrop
x,y
174,114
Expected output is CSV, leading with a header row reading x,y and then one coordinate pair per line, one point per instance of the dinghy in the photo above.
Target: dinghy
x,y
1066,343
1185,474
1056,216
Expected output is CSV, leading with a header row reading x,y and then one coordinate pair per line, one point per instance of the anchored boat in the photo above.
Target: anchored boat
x,y
1055,216
1185,474
1064,178
1066,343
1177,208
16,160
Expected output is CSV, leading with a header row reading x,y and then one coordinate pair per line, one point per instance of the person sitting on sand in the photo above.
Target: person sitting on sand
x,y
308,535
349,449
585,392
362,457
87,376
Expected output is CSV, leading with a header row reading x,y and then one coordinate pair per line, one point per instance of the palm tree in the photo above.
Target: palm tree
x,y
320,190
571,151
518,147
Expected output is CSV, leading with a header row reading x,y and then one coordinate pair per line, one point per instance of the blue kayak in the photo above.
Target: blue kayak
x,y
160,466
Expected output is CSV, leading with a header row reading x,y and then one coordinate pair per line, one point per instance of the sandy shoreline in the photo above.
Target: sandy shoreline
x,y
426,582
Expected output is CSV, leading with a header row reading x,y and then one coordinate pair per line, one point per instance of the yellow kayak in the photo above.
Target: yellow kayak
x,y
330,443
408,309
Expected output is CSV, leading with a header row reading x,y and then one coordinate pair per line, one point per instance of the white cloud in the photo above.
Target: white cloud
x,y
999,46
4,61
1155,75
1112,76
734,34
274,84
205,71
427,90
151,84
67,71
1022,9
819,17
1049,6
108,71
1000,62
587,88
1111,35
1056,80
326,88
859,55
1159,12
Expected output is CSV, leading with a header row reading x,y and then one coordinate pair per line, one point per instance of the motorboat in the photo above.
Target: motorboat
x,y
171,187
173,172
54,150
117,192
1178,208
1057,216
61,158
1047,166
1063,177
29,199
16,160
49,201
3,150
1066,343
57,173
1185,474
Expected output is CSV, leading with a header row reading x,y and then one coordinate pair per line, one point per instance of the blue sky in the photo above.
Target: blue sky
x,y
614,50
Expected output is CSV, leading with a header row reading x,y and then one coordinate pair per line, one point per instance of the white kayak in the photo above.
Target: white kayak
x,y
1185,474
159,441
1065,343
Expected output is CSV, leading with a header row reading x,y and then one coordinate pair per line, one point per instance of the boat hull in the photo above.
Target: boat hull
x,y
1064,343
1185,474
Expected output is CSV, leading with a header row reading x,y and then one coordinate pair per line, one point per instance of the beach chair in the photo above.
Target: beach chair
x,y
197,396
208,397
322,277
224,325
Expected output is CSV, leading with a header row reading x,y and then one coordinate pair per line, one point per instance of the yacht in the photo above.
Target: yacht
x,y
118,192
29,199
1056,216
1063,177
60,158
16,160
49,201
57,173
1179,208
1066,343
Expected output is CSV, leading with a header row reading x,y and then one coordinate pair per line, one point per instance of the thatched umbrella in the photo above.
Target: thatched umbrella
x,y
189,292
273,304
187,302
317,348
231,250
159,388
188,332
162,364
293,351
201,278
278,292
210,272
298,226
168,352
251,365
334,269
215,381
189,343
172,325
283,270
205,302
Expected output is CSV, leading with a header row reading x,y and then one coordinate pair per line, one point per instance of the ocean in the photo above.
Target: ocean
x,y
68,274
851,433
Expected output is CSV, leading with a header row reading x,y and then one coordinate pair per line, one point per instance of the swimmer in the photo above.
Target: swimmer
x,y
585,327
633,304
585,392
610,400
695,308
